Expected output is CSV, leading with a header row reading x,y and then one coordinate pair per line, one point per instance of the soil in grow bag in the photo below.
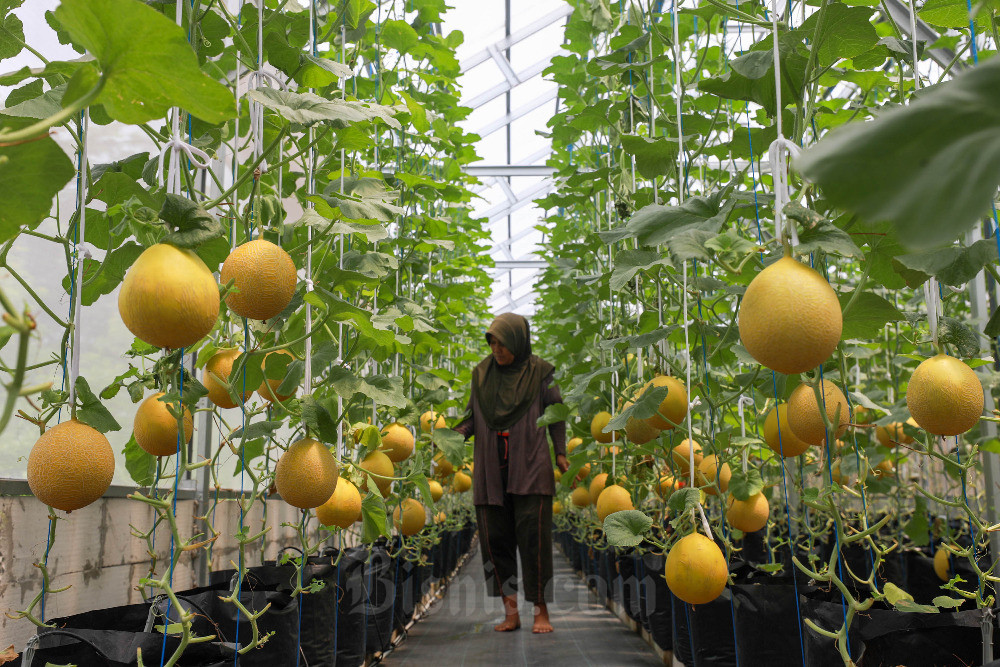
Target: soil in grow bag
x,y
910,638
703,633
350,620
824,608
223,619
379,598
111,637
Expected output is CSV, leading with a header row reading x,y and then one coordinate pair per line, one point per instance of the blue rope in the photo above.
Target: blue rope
x,y
173,502
788,516
836,534
302,564
243,462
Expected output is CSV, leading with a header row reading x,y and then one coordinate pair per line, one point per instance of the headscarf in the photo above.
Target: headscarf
x,y
504,393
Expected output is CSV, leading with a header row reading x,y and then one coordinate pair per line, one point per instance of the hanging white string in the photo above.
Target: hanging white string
x,y
681,181
175,146
84,248
913,38
932,296
340,261
311,189
781,147
743,402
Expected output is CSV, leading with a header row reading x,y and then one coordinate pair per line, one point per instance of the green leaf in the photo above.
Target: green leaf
x,y
945,602
319,71
91,411
140,464
146,60
190,224
867,316
310,109
827,237
100,278
451,443
744,485
953,266
656,224
398,35
949,14
993,326
387,391
317,417
894,594
685,500
256,430
654,156
913,607
364,198
420,480
911,166
626,528
630,262
374,523
11,35
31,174
954,332
555,413
845,32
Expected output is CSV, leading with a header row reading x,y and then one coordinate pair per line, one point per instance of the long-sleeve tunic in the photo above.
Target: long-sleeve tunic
x,y
530,464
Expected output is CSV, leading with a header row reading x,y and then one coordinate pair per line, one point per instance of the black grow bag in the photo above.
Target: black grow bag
x,y
379,598
906,638
703,633
111,637
350,620
768,622
260,587
628,585
659,601
826,610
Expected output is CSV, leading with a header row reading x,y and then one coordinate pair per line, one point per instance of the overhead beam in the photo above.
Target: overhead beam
x,y
504,86
527,31
512,264
520,112
524,198
509,169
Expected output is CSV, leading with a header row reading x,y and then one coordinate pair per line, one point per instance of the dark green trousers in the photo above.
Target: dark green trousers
x,y
523,524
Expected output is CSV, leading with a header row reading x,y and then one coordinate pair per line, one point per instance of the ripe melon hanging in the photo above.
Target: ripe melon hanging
x,y
790,318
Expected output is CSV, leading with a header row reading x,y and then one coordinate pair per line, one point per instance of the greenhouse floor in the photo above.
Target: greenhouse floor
x,y
458,629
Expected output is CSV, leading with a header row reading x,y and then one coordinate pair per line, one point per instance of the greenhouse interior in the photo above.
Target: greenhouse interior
x,y
499,332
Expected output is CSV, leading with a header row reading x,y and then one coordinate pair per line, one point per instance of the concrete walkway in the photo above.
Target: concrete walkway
x,y
458,630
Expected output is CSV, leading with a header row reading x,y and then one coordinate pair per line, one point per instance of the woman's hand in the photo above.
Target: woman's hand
x,y
562,462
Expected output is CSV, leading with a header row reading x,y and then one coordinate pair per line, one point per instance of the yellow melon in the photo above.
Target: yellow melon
x,y
778,434
612,499
169,298
442,466
696,570
573,444
414,516
221,366
805,418
557,507
461,483
597,425
790,318
344,506
597,485
674,407
268,389
436,489
945,396
429,423
397,442
890,434
379,464
155,429
264,278
942,564
70,466
748,515
580,496
682,455
708,469
306,474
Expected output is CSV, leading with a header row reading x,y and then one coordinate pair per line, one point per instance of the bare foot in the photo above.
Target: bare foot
x,y
542,624
509,624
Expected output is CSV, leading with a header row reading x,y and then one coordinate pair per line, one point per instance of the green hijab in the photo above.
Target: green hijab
x,y
504,393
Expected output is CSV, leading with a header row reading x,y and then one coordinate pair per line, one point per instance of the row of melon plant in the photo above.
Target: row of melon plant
x,y
322,278
832,400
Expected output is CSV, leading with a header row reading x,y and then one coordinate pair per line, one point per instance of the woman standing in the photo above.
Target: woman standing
x,y
512,482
